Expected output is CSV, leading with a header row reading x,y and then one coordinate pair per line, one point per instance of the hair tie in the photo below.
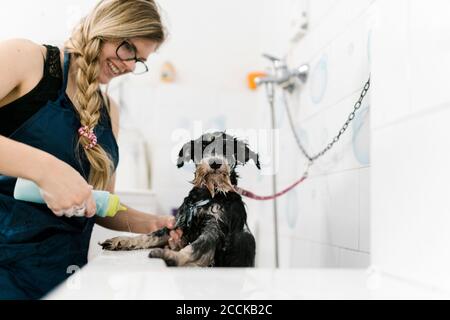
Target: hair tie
x,y
90,135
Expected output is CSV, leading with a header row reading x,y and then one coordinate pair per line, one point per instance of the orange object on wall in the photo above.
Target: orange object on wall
x,y
168,73
251,79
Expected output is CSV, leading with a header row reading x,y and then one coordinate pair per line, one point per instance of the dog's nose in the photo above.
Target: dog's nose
x,y
214,165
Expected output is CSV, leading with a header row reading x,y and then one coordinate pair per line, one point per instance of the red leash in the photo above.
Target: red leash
x,y
251,195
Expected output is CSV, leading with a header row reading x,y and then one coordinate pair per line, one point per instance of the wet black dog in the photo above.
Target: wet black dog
x,y
212,217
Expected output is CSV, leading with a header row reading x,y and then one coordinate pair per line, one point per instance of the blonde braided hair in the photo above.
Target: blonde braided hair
x,y
111,20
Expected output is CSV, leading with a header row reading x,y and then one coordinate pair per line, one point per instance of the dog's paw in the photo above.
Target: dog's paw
x,y
162,254
117,243
156,253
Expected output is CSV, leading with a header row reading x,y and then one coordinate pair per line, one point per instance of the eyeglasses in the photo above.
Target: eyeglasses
x,y
127,52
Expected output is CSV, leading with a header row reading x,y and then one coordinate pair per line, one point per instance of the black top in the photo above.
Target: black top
x,y
14,114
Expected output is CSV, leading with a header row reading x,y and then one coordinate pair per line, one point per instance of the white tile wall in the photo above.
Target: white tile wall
x,y
285,251
410,197
353,259
429,49
411,105
339,14
320,10
265,243
352,150
327,217
308,254
302,253
390,66
334,219
332,79
364,210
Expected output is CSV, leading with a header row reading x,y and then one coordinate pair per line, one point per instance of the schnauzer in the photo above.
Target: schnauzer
x,y
212,217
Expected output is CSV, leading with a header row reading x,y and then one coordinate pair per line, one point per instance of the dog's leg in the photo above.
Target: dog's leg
x,y
199,253
152,240
178,245
183,258
240,251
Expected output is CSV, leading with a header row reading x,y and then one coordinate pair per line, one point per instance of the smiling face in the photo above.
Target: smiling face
x,y
110,64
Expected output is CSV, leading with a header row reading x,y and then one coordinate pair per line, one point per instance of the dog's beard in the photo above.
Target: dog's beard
x,y
214,181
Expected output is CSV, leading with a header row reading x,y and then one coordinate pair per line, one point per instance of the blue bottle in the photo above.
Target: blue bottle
x,y
107,204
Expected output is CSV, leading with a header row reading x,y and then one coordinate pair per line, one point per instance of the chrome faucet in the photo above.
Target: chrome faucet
x,y
282,75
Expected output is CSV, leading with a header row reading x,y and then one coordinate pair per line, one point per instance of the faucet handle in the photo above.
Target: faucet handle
x,y
271,57
276,62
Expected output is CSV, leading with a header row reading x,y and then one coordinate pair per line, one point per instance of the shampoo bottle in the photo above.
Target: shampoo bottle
x,y
107,204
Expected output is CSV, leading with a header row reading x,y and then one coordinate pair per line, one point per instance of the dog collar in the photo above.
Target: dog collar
x,y
201,203
193,209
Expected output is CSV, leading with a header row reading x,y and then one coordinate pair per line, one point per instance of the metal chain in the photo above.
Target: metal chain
x,y
338,136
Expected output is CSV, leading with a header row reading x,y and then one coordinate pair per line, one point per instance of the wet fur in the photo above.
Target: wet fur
x,y
214,234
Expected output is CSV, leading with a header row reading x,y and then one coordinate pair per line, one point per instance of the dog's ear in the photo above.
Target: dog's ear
x,y
249,154
244,154
185,153
191,151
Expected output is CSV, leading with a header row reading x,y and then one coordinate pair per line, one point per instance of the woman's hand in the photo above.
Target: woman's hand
x,y
156,222
159,222
175,238
64,189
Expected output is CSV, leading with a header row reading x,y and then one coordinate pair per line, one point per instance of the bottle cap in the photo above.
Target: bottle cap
x,y
114,206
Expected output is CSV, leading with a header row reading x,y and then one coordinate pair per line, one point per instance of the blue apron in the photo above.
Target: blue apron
x,y
39,250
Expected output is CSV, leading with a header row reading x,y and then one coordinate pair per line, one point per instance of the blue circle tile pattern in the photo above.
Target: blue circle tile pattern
x,y
369,45
302,134
361,131
319,80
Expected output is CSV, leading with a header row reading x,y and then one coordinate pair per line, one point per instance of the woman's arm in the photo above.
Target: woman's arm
x,y
20,160
19,59
63,187
136,221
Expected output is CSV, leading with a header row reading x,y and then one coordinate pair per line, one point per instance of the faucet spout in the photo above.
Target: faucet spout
x,y
269,79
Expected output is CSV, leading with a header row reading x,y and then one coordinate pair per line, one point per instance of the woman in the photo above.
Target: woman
x,y
59,130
